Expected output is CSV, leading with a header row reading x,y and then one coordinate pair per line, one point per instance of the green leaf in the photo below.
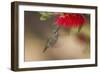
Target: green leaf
x,y
43,18
45,15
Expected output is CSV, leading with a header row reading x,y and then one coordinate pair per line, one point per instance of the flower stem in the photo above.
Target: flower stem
x,y
79,28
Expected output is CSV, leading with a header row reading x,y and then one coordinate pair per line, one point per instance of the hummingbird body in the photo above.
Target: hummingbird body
x,y
52,39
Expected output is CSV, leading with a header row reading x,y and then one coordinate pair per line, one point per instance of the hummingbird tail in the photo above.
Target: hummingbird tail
x,y
44,49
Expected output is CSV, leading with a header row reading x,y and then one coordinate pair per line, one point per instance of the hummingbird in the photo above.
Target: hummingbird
x,y
53,38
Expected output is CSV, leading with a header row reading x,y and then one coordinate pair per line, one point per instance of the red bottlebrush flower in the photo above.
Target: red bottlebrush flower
x,y
69,20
